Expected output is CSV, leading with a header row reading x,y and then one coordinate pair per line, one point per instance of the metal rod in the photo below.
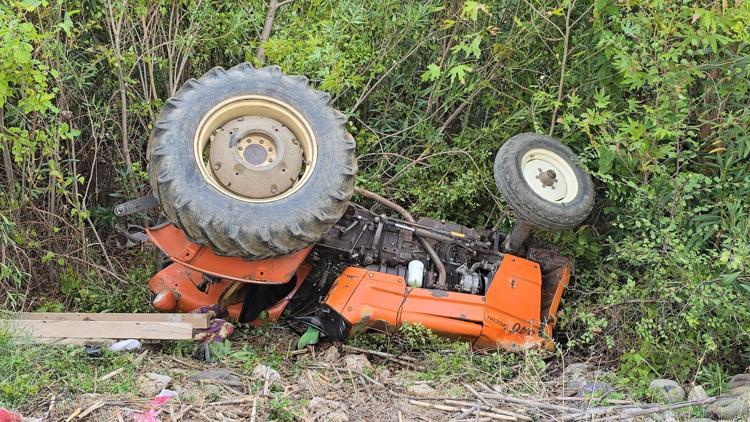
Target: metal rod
x,y
517,236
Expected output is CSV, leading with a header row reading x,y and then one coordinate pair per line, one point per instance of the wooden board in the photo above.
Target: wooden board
x,y
198,321
101,342
102,329
54,341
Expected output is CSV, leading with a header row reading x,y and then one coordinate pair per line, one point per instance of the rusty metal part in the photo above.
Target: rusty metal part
x,y
143,203
173,242
441,281
133,235
256,157
255,148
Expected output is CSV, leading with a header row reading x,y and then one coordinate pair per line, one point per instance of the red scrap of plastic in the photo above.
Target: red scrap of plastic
x,y
8,416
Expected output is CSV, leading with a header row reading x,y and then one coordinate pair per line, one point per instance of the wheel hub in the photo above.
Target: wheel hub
x,y
256,149
255,156
549,175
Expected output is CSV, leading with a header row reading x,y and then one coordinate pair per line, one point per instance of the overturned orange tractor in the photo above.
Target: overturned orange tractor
x,y
254,172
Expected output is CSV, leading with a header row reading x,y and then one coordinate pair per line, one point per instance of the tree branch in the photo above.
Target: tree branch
x,y
265,34
563,65
7,159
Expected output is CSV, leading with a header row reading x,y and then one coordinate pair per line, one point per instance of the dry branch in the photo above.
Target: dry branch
x,y
265,34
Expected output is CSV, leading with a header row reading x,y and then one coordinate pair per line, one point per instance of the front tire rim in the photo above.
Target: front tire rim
x,y
255,148
549,175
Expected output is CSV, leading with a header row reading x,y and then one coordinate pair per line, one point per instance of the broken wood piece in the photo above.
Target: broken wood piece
x,y
255,409
491,415
475,393
91,409
469,404
403,360
474,407
198,321
241,400
368,378
435,406
184,412
111,374
102,329
74,414
668,407
530,403
311,383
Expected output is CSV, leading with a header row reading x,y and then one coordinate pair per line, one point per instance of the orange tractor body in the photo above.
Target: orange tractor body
x,y
516,313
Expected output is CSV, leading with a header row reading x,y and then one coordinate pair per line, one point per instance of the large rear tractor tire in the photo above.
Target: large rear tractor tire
x,y
542,182
251,162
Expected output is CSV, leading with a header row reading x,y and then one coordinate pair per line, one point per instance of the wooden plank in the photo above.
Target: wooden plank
x,y
51,341
103,329
198,321
58,341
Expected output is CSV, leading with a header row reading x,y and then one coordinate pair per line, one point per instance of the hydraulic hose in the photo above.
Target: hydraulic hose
x,y
408,217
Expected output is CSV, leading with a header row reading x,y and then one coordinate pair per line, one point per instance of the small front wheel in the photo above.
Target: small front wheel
x,y
543,183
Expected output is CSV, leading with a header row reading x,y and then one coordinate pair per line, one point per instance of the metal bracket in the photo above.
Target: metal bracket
x,y
517,236
137,205
134,235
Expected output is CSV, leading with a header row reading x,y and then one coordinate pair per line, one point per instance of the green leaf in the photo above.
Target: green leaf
x,y
459,71
432,73
29,5
311,336
471,9
474,46
67,24
48,256
606,158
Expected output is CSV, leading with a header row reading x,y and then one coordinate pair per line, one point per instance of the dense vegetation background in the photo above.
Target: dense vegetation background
x,y
653,94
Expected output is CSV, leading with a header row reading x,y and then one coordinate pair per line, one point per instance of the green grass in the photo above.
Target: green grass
x,y
444,357
29,372
89,293
282,408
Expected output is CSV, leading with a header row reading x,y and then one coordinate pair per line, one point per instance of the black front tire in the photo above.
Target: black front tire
x,y
230,226
526,204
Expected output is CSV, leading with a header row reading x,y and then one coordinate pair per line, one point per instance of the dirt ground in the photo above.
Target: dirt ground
x,y
260,376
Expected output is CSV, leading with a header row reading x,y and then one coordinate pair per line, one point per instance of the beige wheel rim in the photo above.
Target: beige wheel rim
x,y
255,148
549,175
